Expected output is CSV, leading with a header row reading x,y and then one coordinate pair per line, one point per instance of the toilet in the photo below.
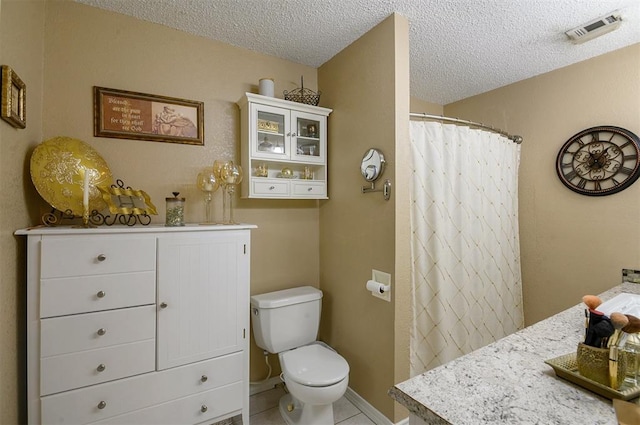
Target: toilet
x,y
286,323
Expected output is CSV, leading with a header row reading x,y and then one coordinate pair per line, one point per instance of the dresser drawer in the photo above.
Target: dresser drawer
x,y
68,371
309,189
207,406
80,332
270,187
139,392
73,295
94,255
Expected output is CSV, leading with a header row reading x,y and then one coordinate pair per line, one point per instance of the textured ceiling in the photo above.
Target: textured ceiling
x,y
459,48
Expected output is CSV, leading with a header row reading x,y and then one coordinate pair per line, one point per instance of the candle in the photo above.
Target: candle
x,y
85,190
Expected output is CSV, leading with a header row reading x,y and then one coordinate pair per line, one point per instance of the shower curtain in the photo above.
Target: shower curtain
x,y
465,252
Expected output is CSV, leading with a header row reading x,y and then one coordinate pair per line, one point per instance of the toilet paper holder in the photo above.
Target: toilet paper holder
x,y
378,287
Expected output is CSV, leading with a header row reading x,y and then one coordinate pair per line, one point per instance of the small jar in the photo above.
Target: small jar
x,y
175,211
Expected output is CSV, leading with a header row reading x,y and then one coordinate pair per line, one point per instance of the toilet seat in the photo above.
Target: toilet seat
x,y
314,366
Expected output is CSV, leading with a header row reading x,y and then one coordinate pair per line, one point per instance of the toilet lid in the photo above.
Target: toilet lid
x,y
314,366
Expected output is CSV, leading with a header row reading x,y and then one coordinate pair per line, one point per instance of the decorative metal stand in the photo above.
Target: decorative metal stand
x,y
127,213
56,217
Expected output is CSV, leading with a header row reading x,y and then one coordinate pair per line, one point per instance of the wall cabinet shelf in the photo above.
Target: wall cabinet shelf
x,y
141,325
284,148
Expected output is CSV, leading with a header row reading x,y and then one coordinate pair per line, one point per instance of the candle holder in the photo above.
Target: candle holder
x,y
231,175
208,183
218,165
87,176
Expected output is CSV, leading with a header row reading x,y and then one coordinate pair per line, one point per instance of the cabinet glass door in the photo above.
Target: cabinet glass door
x,y
308,138
271,127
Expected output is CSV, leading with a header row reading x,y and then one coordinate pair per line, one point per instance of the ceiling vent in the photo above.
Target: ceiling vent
x,y
595,28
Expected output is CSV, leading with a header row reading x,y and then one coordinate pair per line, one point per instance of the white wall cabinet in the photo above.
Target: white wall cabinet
x,y
277,135
141,325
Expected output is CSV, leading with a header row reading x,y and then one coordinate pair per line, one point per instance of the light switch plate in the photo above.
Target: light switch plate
x,y
385,279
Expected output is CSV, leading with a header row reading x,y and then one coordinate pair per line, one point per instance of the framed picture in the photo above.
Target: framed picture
x,y
14,96
126,201
129,115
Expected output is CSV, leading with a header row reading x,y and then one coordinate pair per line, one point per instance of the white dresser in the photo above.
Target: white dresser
x,y
138,325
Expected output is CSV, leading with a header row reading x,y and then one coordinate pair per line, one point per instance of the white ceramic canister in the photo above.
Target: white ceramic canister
x,y
266,87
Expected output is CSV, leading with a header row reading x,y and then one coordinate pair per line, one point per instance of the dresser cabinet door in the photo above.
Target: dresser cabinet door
x,y
202,295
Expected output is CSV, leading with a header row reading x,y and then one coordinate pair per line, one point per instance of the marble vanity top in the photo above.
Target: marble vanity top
x,y
507,382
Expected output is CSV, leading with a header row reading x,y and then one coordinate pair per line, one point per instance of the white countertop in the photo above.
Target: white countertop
x,y
507,382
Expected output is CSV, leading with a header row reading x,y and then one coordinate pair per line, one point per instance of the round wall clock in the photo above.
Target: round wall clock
x,y
599,161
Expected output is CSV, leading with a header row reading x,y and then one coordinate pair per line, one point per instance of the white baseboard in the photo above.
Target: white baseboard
x,y
370,411
264,386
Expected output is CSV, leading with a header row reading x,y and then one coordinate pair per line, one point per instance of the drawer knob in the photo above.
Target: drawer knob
x,y
101,331
102,257
164,305
309,189
204,408
101,294
101,367
271,187
204,378
102,405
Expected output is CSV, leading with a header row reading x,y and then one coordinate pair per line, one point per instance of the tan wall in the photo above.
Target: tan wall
x,y
86,46
571,245
421,107
21,47
357,231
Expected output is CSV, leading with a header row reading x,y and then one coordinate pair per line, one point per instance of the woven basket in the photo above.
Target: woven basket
x,y
303,95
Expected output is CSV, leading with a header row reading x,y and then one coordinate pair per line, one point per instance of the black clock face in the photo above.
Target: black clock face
x,y
599,161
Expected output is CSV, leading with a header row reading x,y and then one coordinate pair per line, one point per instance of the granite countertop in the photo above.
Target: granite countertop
x,y
507,382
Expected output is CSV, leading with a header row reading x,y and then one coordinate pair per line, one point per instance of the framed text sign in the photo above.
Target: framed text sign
x,y
130,115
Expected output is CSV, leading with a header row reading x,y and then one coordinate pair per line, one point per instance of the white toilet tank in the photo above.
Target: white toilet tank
x,y
283,320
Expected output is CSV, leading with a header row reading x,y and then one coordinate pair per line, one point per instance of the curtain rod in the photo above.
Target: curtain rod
x,y
513,138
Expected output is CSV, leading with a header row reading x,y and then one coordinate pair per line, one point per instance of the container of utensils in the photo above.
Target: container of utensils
x,y
605,366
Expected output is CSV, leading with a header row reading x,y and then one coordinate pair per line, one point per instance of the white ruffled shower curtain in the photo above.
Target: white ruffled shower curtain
x,y
465,253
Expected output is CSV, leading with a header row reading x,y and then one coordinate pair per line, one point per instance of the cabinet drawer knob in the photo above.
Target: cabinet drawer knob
x,y
204,378
101,367
164,305
101,294
271,187
204,408
101,331
101,257
102,405
309,189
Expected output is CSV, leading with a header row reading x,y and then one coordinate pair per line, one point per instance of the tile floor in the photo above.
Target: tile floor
x,y
263,410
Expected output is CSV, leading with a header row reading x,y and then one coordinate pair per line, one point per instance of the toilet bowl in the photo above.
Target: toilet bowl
x,y
286,323
316,377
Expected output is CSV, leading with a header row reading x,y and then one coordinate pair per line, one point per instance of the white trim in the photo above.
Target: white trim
x,y
370,411
264,386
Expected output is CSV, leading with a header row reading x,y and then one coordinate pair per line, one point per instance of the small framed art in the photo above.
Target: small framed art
x,y
13,99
